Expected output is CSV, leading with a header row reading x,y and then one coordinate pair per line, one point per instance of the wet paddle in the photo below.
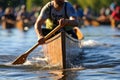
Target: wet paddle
x,y
22,58
79,34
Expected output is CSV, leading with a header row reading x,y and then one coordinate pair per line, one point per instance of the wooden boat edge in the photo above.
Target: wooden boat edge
x,y
63,46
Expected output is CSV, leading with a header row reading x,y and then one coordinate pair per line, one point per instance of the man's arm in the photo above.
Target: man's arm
x,y
72,21
39,22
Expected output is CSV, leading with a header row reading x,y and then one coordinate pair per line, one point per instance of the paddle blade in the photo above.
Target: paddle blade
x,y
20,60
78,33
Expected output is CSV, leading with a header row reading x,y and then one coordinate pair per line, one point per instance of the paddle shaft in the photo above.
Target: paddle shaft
x,y
22,58
46,37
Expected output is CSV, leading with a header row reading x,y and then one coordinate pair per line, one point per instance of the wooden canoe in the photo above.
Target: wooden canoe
x,y
23,25
20,24
8,24
95,23
60,49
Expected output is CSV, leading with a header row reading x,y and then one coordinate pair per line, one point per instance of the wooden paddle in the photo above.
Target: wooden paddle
x,y
79,34
22,58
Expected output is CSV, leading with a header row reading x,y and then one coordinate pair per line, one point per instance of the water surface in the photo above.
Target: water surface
x,y
100,60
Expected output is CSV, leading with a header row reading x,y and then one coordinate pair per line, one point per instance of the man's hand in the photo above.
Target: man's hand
x,y
41,40
63,22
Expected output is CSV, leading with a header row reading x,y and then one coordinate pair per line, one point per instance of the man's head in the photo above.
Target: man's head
x,y
59,2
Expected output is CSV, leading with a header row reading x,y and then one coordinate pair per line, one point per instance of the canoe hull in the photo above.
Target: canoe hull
x,y
6,25
60,49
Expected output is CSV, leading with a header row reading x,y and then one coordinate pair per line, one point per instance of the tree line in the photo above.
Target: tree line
x,y
94,4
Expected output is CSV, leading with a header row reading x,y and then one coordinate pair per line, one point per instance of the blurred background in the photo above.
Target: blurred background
x,y
101,29
94,4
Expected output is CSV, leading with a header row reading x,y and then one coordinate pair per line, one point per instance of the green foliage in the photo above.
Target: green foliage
x,y
73,1
96,5
6,3
39,2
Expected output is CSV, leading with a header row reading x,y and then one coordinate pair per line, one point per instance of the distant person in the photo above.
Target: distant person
x,y
79,10
8,19
1,12
23,19
80,14
108,12
89,17
34,13
88,13
23,14
115,16
103,18
113,5
57,12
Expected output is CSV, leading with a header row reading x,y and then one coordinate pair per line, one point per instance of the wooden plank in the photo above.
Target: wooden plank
x,y
54,52
61,48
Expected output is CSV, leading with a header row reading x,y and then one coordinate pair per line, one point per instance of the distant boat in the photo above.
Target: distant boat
x,y
7,24
95,23
22,25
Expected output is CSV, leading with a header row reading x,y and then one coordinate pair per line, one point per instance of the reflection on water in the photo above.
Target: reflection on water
x,y
100,60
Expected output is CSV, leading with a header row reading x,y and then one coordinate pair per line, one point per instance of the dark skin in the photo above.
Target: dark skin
x,y
58,5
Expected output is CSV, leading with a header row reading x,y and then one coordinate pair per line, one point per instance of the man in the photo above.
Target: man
x,y
58,12
8,19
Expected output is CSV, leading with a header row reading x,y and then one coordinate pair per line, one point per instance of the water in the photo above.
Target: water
x,y
100,60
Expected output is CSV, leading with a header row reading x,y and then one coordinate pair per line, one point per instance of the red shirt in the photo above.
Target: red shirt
x,y
116,15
